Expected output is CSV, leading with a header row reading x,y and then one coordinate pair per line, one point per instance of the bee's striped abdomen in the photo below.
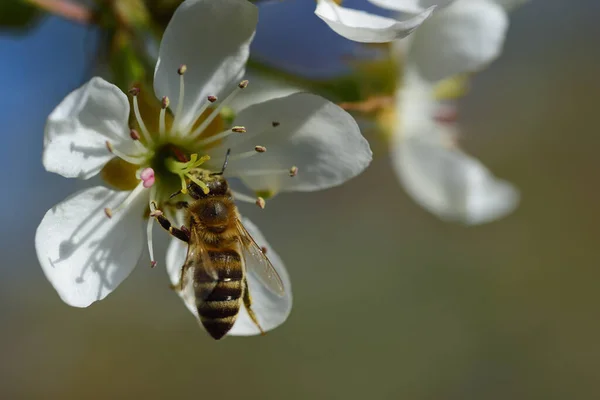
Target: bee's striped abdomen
x,y
219,300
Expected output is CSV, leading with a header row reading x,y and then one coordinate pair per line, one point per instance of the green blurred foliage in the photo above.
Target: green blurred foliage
x,y
18,15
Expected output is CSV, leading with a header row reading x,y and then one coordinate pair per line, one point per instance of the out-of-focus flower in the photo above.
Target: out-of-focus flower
x,y
435,172
89,243
365,27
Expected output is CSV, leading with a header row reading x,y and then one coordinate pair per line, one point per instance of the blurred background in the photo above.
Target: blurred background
x,y
390,302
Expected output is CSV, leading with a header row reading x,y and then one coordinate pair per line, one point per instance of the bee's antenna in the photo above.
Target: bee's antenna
x,y
224,164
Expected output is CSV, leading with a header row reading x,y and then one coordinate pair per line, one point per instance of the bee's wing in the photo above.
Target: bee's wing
x,y
270,309
257,263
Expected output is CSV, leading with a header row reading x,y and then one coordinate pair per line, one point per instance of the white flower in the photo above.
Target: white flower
x,y
365,27
84,253
435,172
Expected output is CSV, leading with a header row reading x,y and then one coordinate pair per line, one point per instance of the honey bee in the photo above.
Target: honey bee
x,y
220,255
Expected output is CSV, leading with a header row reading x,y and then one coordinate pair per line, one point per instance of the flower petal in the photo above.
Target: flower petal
x,y
212,39
84,254
79,127
410,6
310,132
270,309
449,183
364,27
262,88
460,38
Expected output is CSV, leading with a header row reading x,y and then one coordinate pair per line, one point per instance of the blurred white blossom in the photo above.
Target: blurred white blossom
x,y
436,173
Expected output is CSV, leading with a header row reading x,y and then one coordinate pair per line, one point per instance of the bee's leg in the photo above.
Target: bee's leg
x,y
248,305
181,234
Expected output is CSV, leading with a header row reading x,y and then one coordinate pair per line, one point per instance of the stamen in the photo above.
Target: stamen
x,y
134,193
247,154
291,172
149,229
147,177
161,118
222,135
137,160
198,131
212,99
136,109
259,201
181,71
136,139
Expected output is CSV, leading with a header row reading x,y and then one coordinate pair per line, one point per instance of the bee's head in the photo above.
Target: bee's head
x,y
217,186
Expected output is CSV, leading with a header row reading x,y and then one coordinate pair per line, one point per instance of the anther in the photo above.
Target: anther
x,y
243,84
238,129
134,134
275,124
293,171
260,149
147,177
182,69
152,264
264,250
108,212
134,91
260,202
156,213
212,99
165,102
109,146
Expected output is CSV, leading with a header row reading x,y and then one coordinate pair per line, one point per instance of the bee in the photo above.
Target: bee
x,y
220,255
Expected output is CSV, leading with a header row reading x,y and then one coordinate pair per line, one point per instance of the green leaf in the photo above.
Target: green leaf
x,y
18,14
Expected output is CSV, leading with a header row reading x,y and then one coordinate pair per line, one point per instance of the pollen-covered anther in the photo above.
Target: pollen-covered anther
x,y
108,212
212,98
260,149
243,84
260,202
135,135
164,103
293,171
182,69
238,129
134,91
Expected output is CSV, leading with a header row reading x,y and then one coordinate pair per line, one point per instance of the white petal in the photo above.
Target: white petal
x,y
509,5
271,310
364,27
461,38
410,6
315,135
84,254
212,39
451,184
79,127
262,88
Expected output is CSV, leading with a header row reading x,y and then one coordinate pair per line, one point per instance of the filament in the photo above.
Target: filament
x,y
179,109
140,121
134,193
218,136
216,111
